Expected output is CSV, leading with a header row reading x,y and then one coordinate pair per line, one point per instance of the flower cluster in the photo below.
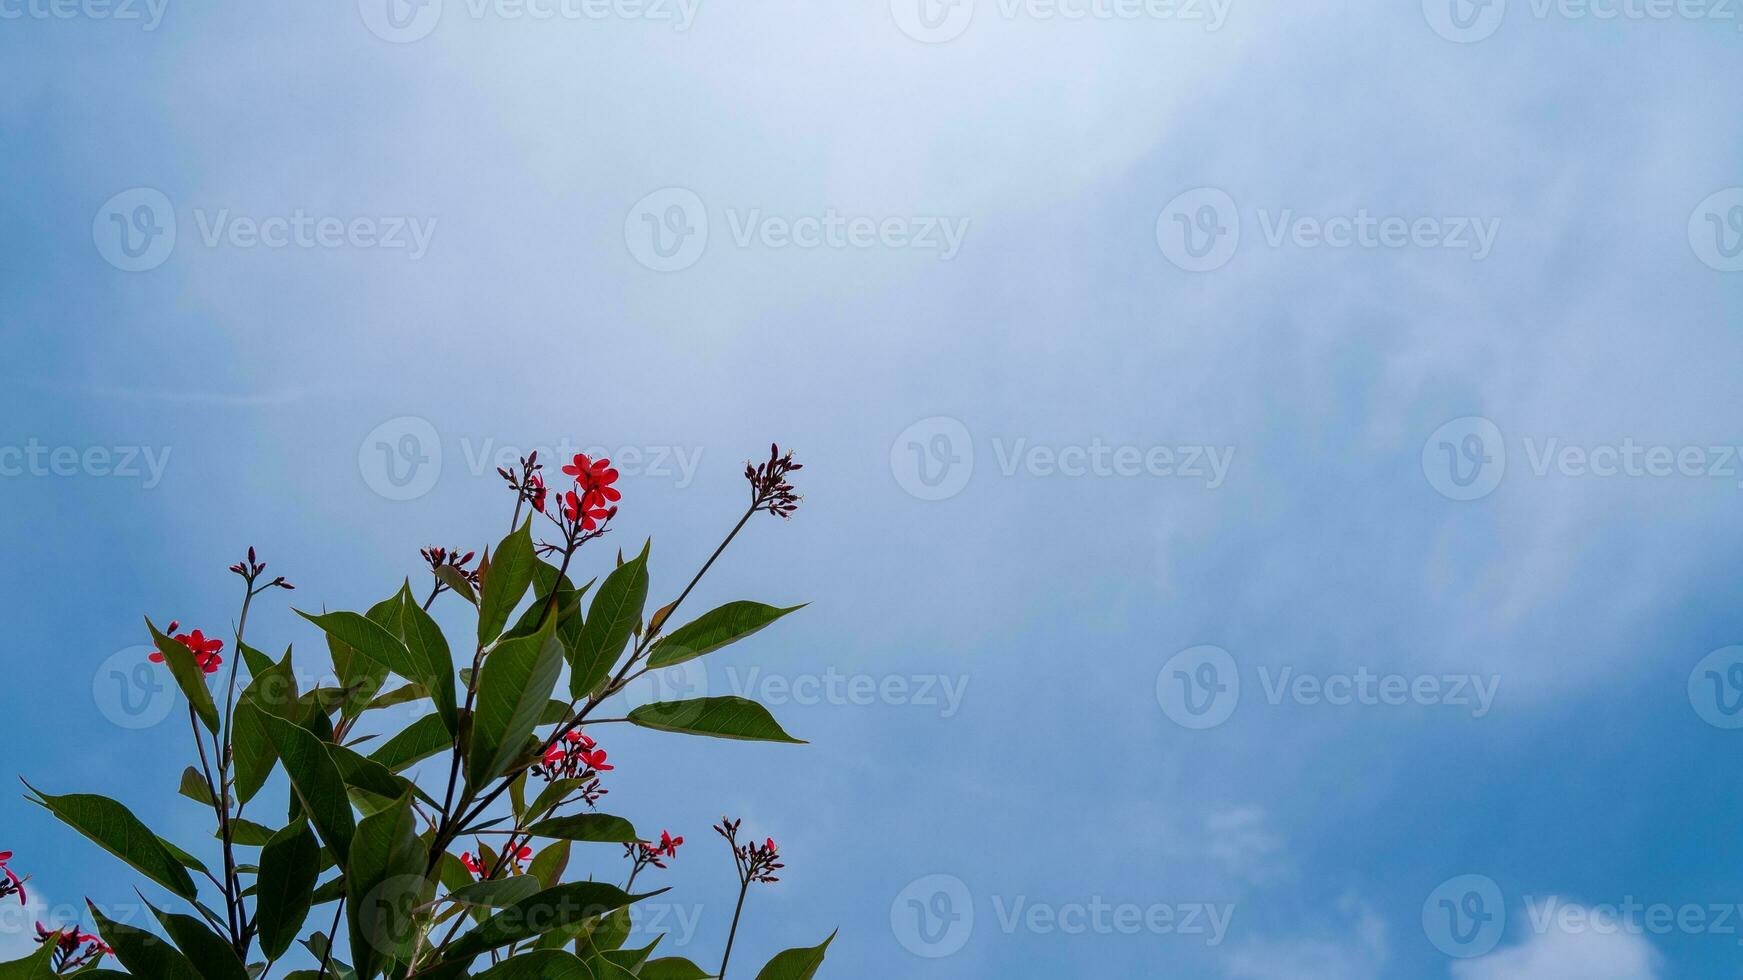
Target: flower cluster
x,y
73,949
250,570
479,864
756,862
769,489
11,884
646,853
576,756
593,479
439,558
528,482
205,649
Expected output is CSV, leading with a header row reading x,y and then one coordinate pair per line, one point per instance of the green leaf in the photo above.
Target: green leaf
x,y
615,614
511,571
428,646
257,662
597,827
211,955
497,893
357,674
247,833
290,864
371,639
541,964
550,909
36,966
384,885
547,865
719,717
273,691
452,578
418,740
114,828
715,629
143,954
513,687
672,968
796,964
316,781
368,774
194,786
399,695
189,677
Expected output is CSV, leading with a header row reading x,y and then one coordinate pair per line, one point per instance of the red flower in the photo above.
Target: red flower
x,y
595,759
769,845
554,755
586,510
520,855
595,478
536,491
472,864
581,740
668,844
204,649
13,884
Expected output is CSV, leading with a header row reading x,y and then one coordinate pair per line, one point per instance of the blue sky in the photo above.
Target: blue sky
x,y
979,264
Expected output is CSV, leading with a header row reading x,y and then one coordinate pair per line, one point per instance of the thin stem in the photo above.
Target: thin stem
x,y
327,954
743,886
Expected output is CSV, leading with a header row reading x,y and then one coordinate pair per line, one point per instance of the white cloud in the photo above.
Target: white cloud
x,y
1559,955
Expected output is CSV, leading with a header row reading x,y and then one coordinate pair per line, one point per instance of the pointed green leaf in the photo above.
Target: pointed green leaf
x,y
289,866
194,786
273,691
672,968
114,828
796,964
719,717
418,740
513,687
596,827
384,884
143,954
715,629
541,964
210,954
428,646
550,909
316,781
511,571
616,612
189,677
36,966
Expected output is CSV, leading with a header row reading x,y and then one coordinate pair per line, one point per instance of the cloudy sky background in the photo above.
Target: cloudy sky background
x,y
1051,602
